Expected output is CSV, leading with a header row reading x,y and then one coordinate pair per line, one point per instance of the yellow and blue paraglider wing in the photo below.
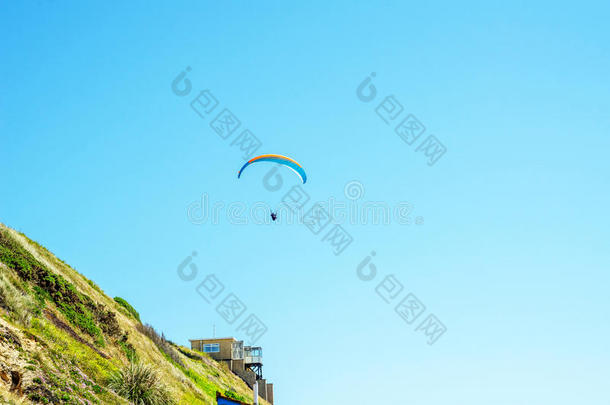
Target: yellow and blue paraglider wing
x,y
283,160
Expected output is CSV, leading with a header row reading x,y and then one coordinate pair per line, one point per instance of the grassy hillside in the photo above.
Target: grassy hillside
x,y
62,340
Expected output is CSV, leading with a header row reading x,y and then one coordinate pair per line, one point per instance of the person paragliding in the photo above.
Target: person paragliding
x,y
283,160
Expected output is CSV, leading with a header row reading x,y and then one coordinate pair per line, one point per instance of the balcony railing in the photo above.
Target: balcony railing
x,y
253,359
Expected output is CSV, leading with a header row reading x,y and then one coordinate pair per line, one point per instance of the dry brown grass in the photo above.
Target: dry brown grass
x,y
19,305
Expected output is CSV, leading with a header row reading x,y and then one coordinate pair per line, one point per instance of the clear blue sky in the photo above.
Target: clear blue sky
x,y
100,160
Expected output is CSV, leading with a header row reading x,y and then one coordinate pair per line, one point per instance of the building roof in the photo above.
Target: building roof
x,y
224,338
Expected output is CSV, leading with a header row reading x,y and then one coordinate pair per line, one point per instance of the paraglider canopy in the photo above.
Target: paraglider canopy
x,y
283,160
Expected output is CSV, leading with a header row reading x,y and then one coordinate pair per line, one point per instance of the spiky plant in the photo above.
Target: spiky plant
x,y
140,384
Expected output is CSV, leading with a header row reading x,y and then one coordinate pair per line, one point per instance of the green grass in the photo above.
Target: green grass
x,y
60,378
205,384
60,343
234,395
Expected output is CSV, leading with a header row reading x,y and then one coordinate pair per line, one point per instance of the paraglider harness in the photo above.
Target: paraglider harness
x,y
273,216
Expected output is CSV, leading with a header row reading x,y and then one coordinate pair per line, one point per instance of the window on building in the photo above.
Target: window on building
x,y
211,348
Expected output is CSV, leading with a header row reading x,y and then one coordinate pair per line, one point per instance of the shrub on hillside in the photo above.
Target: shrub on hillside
x,y
122,302
107,320
140,384
128,349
